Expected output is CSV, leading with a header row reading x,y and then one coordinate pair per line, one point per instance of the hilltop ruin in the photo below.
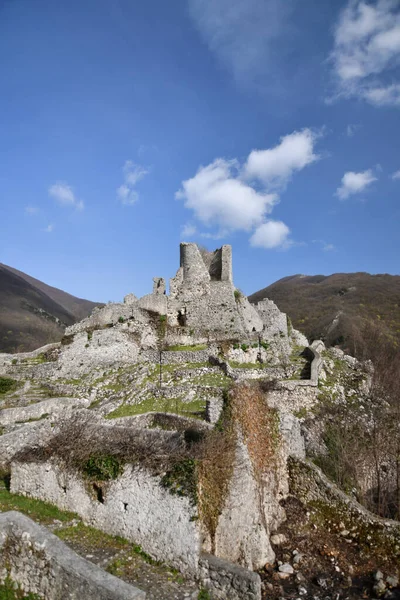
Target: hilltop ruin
x,y
170,420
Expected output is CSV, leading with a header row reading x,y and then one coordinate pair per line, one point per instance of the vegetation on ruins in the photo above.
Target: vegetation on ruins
x,y
362,435
10,591
8,385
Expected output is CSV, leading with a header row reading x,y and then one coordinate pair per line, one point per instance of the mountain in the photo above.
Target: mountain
x,y
329,307
32,313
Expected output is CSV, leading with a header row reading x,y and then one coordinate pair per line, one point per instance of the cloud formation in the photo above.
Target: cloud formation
x,y
355,183
49,228
243,34
133,173
270,234
396,175
352,129
234,197
367,51
219,198
275,166
188,231
65,196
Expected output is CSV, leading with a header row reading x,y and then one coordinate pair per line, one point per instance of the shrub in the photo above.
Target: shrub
x,y
238,295
66,340
244,347
181,479
121,320
7,385
103,468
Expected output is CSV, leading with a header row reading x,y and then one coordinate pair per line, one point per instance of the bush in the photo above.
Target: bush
x,y
121,320
7,385
238,295
103,468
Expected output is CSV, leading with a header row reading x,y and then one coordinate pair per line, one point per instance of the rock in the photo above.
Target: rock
x,y
278,538
322,582
286,568
302,591
300,578
380,588
298,558
392,581
378,575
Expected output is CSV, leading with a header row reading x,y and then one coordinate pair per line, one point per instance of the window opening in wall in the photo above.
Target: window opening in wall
x,y
182,317
99,493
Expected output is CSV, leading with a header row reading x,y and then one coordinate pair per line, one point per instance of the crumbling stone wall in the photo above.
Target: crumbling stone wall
x,y
134,506
41,564
225,580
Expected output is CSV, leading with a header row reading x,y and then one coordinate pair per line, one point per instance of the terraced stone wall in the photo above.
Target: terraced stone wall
x,y
39,563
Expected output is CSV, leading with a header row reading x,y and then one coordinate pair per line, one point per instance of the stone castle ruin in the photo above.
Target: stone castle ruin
x,y
144,383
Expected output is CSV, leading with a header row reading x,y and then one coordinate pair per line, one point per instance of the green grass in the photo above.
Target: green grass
x,y
170,405
215,379
190,348
167,370
73,381
89,537
238,365
42,512
35,360
8,592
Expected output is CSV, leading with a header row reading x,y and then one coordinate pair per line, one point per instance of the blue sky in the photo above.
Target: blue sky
x,y
127,127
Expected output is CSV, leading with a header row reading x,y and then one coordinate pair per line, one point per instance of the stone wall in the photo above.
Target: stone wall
x,y
36,411
135,506
225,580
293,396
41,564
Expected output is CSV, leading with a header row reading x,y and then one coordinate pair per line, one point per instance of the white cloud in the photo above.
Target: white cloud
x,y
325,246
133,173
367,51
31,210
230,196
396,175
384,96
188,231
270,234
328,247
354,183
65,196
244,34
219,198
351,129
49,228
275,166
